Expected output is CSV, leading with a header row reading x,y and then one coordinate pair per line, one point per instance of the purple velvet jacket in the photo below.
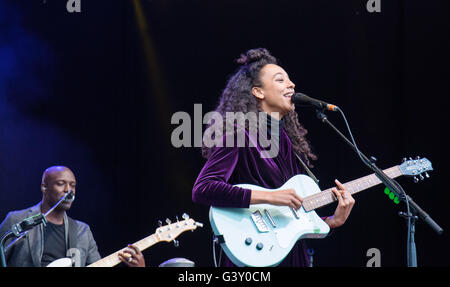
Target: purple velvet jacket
x,y
228,166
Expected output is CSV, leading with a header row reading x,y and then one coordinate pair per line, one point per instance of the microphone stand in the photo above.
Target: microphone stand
x,y
395,188
19,229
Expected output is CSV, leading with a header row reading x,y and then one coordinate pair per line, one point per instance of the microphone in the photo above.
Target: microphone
x,y
69,197
32,221
299,98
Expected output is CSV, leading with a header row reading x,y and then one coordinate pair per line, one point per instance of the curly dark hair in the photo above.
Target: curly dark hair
x,y
237,97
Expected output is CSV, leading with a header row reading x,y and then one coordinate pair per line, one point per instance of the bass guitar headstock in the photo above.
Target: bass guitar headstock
x,y
171,231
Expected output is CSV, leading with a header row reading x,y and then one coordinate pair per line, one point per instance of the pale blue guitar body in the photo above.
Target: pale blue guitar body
x,y
263,234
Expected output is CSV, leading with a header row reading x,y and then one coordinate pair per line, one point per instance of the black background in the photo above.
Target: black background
x,y
95,91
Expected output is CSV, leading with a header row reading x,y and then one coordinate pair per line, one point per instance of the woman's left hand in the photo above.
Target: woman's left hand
x,y
344,207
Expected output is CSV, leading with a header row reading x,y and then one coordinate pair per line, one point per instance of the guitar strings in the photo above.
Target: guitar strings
x,y
324,195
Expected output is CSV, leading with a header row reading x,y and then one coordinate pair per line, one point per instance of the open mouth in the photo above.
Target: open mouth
x,y
288,95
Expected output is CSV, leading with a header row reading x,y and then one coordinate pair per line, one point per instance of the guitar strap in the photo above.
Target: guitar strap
x,y
71,243
308,171
72,230
317,182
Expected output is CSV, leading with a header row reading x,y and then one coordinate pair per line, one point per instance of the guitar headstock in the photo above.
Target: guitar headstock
x,y
416,167
172,230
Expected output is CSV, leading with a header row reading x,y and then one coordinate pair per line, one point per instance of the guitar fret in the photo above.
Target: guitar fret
x,y
327,196
351,187
113,259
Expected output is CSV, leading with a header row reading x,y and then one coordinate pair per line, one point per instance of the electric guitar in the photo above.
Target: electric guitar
x,y
263,234
163,233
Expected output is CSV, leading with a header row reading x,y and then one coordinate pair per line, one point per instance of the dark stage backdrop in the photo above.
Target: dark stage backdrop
x,y
95,90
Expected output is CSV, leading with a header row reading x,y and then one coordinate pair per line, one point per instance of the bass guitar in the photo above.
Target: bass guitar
x,y
165,233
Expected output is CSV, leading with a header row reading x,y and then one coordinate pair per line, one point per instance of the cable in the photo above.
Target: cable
x,y
214,250
214,241
351,136
408,240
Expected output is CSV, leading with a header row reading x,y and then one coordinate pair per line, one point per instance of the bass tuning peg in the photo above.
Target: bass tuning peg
x,y
416,180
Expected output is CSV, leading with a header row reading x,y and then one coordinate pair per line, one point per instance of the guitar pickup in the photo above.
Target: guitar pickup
x,y
295,213
267,213
259,221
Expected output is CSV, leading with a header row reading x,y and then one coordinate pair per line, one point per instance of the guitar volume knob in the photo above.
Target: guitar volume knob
x,y
259,246
248,241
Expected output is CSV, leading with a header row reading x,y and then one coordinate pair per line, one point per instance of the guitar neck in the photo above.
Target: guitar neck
x,y
113,259
327,196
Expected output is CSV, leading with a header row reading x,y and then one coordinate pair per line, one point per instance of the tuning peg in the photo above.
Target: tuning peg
x,y
159,224
168,221
404,159
416,180
421,177
176,243
417,157
176,217
185,216
427,175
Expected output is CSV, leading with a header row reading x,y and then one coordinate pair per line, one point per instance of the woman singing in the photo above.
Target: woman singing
x,y
260,85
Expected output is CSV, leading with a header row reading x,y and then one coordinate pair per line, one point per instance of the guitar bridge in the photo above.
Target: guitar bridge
x,y
259,221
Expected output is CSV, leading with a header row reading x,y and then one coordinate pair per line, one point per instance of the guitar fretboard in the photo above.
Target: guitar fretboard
x,y
327,196
113,259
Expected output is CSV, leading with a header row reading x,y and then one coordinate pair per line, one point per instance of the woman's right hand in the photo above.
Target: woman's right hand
x,y
284,197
